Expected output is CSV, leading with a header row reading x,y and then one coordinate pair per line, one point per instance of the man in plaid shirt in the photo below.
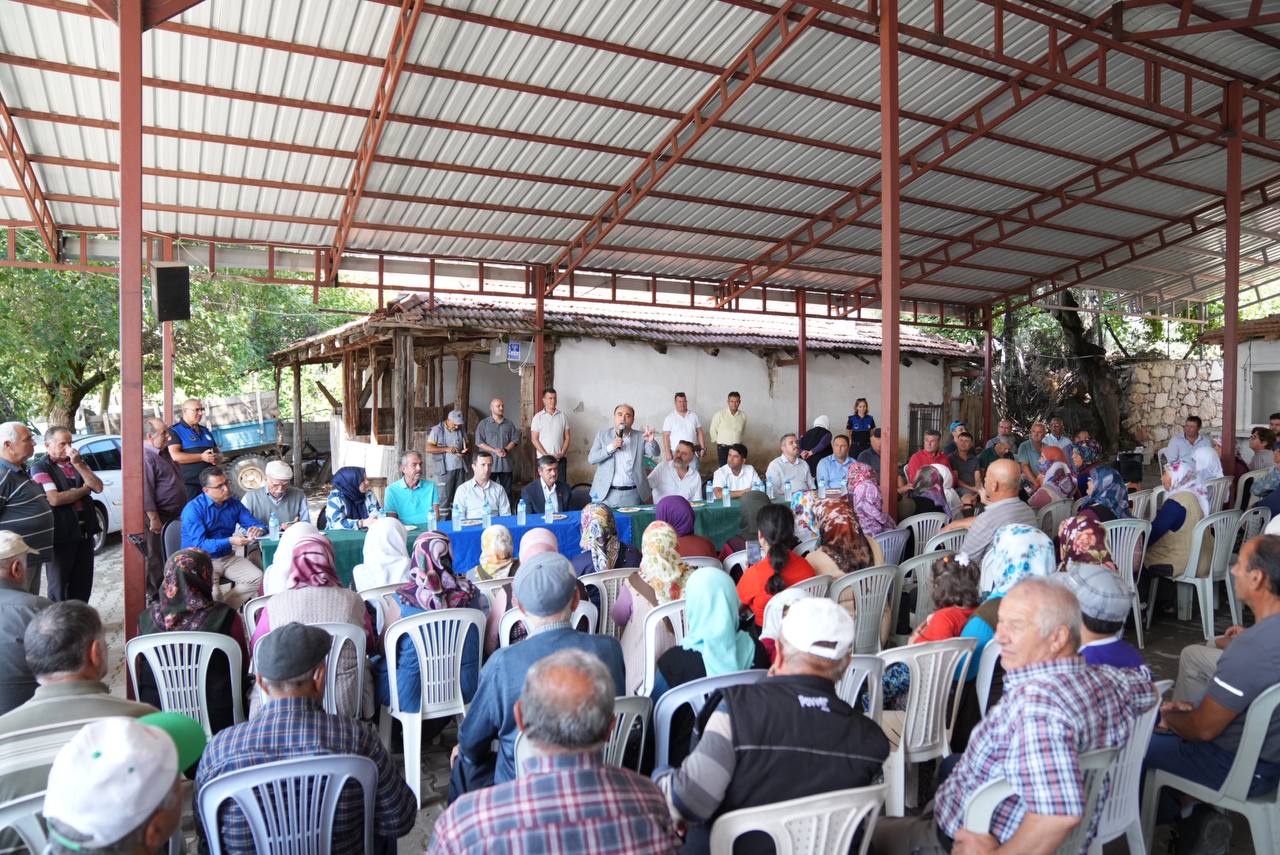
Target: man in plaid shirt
x,y
1054,708
292,725
567,800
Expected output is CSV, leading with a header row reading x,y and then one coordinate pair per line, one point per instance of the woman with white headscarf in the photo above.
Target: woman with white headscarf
x,y
386,555
1187,503
815,445
276,577
948,490
1208,463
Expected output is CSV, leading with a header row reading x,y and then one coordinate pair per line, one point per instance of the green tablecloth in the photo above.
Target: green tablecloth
x,y
714,522
348,549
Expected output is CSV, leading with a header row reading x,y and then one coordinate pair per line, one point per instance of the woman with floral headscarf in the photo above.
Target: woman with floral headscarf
x,y
1187,503
1108,495
804,507
868,503
315,594
602,549
1056,481
927,495
677,511
184,603
1083,540
497,562
1083,457
844,548
660,579
433,585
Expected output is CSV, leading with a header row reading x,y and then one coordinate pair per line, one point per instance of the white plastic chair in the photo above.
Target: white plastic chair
x,y
930,714
922,527
1251,524
866,671
1075,506
738,561
1244,498
892,543
1127,543
816,586
289,805
1262,812
1222,526
376,597
813,825
1158,496
606,584
1219,492
1051,516
1094,764
1122,811
22,816
696,561
179,663
1140,504
872,590
675,615
920,571
250,611
343,634
36,746
627,711
946,541
584,612
805,547
987,661
438,638
488,586
693,693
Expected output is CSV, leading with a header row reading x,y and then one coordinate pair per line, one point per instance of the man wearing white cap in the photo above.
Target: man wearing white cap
x,y
447,445
116,786
785,737
17,608
278,496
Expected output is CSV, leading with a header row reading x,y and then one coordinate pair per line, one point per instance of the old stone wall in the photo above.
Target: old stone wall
x,y
1162,393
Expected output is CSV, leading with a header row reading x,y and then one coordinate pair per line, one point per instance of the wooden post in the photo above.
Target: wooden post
x,y
401,402
462,394
297,424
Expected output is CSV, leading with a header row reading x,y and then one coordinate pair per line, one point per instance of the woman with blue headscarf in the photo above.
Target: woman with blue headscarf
x,y
351,504
1108,496
714,645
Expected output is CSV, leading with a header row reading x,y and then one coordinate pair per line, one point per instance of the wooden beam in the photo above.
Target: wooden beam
x,y
297,424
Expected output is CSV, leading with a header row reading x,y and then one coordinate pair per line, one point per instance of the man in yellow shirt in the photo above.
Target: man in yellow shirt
x,y
727,427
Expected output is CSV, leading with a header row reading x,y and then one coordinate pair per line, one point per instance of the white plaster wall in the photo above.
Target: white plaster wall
x,y
487,382
591,377
1258,394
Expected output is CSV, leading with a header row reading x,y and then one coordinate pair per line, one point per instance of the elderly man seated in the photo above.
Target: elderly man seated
x,y
565,712
278,496
1055,707
1200,728
1002,506
546,592
677,476
785,737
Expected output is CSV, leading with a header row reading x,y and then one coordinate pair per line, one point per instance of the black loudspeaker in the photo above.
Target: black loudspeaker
x,y
171,290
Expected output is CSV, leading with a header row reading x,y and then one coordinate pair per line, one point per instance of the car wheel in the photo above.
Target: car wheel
x,y
100,539
247,473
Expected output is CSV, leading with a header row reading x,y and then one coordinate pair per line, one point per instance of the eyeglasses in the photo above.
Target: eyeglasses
x,y
219,486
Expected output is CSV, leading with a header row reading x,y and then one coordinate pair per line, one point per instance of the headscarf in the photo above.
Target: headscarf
x,y
184,600
953,498
432,582
346,483
496,553
928,485
868,503
1057,474
1208,463
1016,552
600,536
712,612
660,563
313,564
822,422
677,512
1089,452
804,506
386,555
537,540
1109,491
748,509
780,601
276,578
1183,479
841,535
1083,540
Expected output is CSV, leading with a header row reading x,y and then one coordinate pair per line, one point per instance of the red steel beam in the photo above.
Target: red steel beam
x,y
28,184
1206,27
890,247
772,40
401,39
1231,292
156,12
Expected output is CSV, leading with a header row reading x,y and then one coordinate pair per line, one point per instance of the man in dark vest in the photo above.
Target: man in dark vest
x,y
67,481
782,738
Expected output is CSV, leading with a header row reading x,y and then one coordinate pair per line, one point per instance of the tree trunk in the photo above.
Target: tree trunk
x,y
64,399
1091,361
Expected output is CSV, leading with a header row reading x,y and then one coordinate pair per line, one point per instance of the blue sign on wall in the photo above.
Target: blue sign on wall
x,y
514,352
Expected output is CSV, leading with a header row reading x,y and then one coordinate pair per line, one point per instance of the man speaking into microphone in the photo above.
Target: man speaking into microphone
x,y
618,454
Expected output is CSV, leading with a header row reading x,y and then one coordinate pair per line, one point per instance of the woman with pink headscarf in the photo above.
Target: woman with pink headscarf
x,y
868,502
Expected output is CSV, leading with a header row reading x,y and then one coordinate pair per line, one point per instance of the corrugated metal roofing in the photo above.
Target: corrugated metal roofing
x,y
514,119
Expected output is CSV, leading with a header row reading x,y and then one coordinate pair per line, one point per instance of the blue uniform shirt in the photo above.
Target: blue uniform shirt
x,y
209,527
192,440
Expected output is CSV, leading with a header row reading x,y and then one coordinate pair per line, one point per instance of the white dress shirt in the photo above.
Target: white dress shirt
x,y
1180,449
471,496
725,479
666,481
682,428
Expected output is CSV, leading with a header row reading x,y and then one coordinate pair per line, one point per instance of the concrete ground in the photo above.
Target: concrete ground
x,y
1163,644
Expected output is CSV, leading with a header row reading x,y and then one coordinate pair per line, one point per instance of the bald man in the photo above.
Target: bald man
x,y
1001,506
191,445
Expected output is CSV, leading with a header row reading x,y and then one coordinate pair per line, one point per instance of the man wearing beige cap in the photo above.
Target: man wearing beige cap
x,y
278,496
17,608
785,737
447,445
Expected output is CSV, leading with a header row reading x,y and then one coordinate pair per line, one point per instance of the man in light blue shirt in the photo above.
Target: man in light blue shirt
x,y
411,498
1183,447
834,470
473,494
1057,435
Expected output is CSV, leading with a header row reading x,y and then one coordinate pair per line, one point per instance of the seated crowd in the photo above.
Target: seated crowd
x,y
527,772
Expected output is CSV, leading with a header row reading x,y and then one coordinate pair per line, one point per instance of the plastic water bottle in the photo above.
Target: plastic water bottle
x,y
549,509
455,515
768,489
374,513
822,488
520,513
273,525
711,492
488,514
724,496
757,486
595,497
431,518
787,488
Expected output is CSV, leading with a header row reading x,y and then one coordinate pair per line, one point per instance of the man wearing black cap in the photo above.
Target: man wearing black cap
x,y
546,591
291,725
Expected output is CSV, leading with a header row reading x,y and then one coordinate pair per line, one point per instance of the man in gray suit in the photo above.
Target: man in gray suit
x,y
618,454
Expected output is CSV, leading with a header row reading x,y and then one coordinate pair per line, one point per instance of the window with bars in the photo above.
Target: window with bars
x,y
922,417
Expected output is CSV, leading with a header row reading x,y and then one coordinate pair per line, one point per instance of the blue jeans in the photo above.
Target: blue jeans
x,y
1202,762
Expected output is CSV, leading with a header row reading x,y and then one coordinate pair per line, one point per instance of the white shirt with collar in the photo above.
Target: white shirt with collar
x,y
726,480
471,496
1180,449
666,481
682,427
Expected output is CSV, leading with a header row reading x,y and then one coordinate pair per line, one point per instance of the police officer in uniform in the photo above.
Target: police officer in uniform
x,y
192,446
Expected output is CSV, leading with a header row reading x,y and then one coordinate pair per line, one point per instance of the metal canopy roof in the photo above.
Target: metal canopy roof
x,y
509,124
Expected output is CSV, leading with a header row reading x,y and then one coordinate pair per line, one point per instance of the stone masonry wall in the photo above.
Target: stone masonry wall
x,y
1162,393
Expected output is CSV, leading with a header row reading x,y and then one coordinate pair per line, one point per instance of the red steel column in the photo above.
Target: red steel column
x,y
1231,289
803,362
166,352
131,302
890,252
539,340
987,362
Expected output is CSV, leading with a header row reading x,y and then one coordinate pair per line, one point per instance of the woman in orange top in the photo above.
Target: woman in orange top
x,y
780,568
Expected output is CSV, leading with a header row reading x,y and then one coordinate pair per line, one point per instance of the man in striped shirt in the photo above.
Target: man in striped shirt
x,y
24,510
